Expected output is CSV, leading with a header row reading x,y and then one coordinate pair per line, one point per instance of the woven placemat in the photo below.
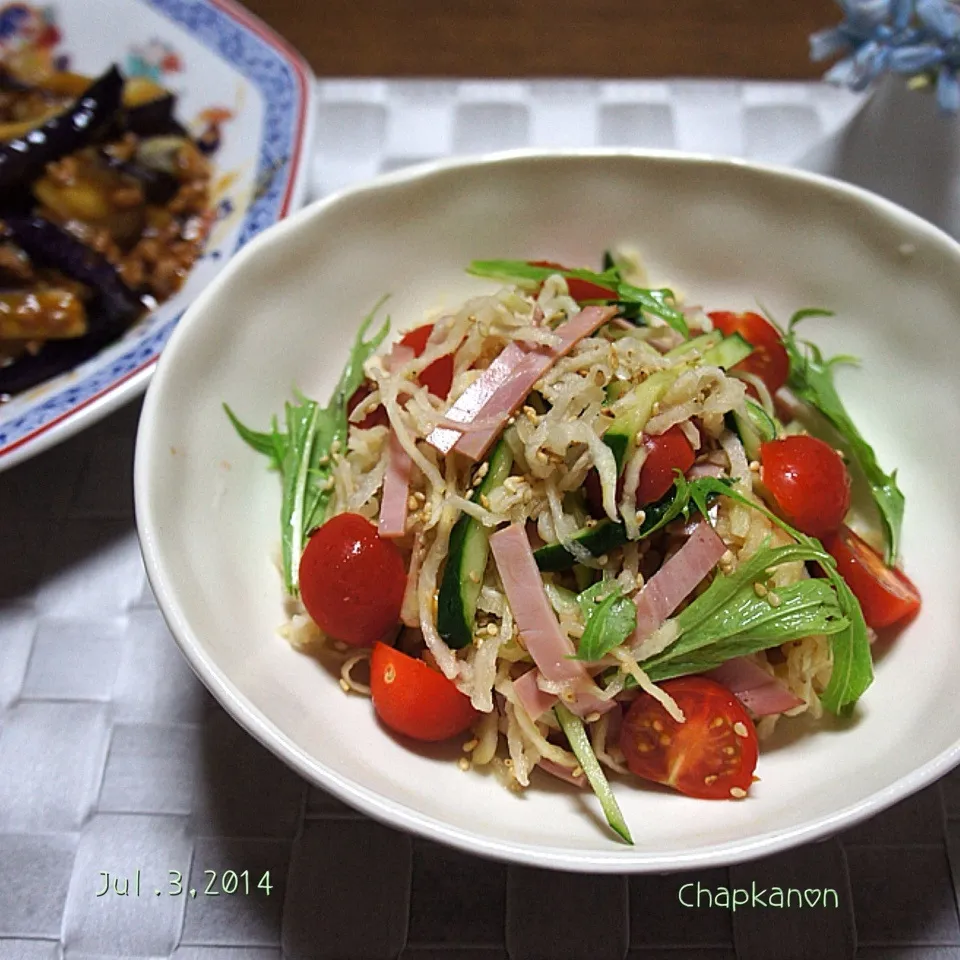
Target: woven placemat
x,y
114,759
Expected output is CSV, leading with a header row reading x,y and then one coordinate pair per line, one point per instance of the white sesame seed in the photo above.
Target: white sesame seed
x,y
464,764
577,772
774,599
470,746
738,793
759,589
754,466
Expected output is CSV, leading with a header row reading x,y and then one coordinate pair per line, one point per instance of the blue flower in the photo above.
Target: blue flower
x,y
914,38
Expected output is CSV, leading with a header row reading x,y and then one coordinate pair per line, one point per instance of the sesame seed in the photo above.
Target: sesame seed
x,y
511,421
469,494
492,630
774,599
603,560
411,502
484,501
754,466
577,772
474,576
464,764
344,686
470,745
737,793
759,589
740,728
592,717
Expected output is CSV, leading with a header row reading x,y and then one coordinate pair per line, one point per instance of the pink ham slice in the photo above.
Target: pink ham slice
x,y
676,580
396,490
759,692
549,646
561,773
396,481
501,389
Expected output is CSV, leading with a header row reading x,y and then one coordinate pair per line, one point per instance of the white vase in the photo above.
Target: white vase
x,y
900,146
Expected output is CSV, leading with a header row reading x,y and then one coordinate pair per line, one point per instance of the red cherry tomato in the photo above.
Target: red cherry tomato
x,y
712,755
769,360
579,289
886,595
415,700
376,417
666,453
809,482
352,580
438,376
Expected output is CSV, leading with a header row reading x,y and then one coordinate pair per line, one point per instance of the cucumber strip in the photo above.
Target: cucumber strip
x,y
702,343
467,559
755,428
576,734
728,352
606,535
599,539
632,412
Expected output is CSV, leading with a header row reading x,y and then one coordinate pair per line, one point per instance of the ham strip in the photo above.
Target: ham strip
x,y
396,490
562,773
676,580
534,701
396,481
549,646
501,389
761,693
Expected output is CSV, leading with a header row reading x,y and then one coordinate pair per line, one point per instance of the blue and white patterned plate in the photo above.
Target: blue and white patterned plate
x,y
217,57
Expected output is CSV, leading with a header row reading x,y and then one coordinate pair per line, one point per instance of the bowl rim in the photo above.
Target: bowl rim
x,y
123,389
391,812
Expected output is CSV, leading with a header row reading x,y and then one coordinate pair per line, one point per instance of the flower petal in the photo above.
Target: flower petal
x,y
827,43
843,73
940,18
948,91
900,13
915,58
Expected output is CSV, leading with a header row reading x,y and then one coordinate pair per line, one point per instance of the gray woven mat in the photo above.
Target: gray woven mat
x,y
114,759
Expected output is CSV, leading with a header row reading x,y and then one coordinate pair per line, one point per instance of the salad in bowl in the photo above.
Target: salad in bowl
x,y
589,530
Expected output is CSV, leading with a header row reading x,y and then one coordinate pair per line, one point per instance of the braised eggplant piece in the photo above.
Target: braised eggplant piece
x,y
24,158
115,305
104,209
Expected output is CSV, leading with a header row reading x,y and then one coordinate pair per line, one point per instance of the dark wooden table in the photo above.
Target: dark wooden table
x,y
552,38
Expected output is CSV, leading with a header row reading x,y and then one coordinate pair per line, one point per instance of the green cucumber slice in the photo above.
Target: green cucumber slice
x,y
467,559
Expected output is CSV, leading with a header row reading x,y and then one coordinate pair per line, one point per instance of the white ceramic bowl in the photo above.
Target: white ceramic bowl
x,y
211,53
727,234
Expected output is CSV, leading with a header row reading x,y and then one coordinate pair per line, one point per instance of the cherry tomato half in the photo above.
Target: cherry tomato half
x,y
666,452
415,700
352,580
769,360
712,755
809,482
376,417
437,377
886,595
579,289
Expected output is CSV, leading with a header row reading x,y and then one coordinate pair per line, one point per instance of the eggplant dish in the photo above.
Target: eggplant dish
x,y
104,208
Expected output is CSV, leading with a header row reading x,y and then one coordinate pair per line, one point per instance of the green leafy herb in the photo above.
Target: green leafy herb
x,y
852,663
302,454
729,619
659,303
610,618
576,734
811,379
